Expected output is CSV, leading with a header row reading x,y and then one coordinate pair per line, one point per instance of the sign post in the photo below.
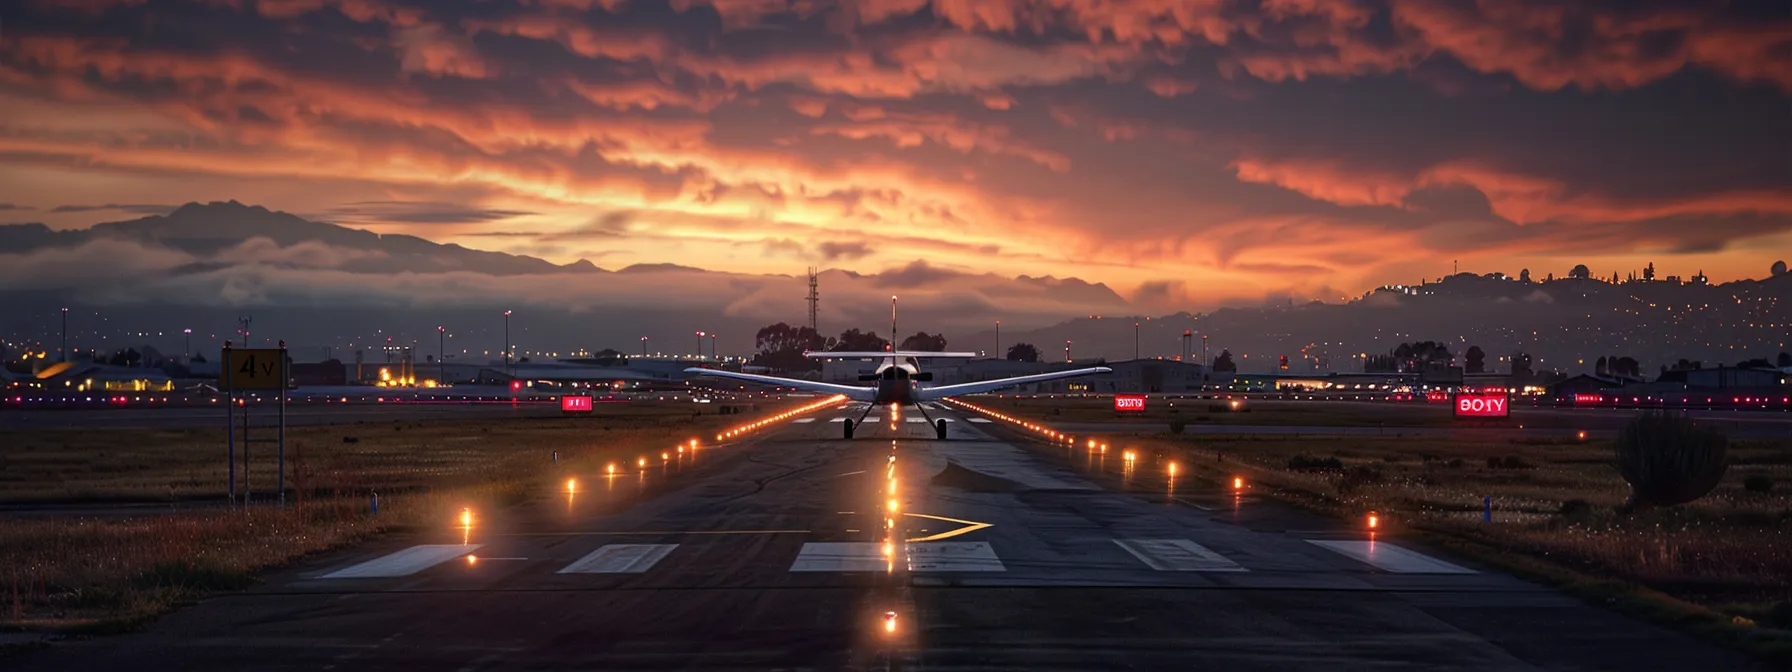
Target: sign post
x,y
244,369
1129,403
1481,405
576,404
229,421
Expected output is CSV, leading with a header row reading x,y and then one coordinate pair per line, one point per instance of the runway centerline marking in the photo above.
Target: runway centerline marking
x,y
969,526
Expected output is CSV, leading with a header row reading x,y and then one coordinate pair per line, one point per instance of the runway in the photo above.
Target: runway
x,y
769,554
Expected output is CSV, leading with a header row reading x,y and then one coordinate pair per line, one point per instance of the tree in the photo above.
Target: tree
x,y
924,342
1756,363
1779,268
1521,362
198,358
1668,460
1224,362
1580,271
1625,367
1023,352
1649,271
1524,275
1474,361
1600,367
781,346
1785,360
853,340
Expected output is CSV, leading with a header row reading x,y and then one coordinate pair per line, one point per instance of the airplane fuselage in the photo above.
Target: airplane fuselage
x,y
896,382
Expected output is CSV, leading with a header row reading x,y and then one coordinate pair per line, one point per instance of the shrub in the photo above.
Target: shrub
x,y
1761,483
1177,425
1669,460
1359,476
1575,508
1306,462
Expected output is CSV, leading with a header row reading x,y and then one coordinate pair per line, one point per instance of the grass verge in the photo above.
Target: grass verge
x,y
1720,567
70,572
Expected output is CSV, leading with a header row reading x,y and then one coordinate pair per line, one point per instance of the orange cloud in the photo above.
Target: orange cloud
x,y
914,130
431,50
1621,50
1515,197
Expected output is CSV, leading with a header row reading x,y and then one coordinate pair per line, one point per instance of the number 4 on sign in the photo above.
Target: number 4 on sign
x,y
250,368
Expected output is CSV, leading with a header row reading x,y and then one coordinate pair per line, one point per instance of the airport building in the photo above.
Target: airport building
x,y
1137,376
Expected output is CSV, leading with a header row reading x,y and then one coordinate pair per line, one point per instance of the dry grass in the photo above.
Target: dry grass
x,y
71,572
1732,545
1250,412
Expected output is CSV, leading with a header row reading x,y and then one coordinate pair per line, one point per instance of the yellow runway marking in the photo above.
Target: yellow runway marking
x,y
969,526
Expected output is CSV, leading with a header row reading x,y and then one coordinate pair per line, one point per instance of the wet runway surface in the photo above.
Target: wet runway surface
x,y
796,549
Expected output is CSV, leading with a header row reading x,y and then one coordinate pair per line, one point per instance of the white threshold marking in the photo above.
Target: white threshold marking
x,y
953,556
1389,557
981,421
840,556
1178,555
917,421
870,418
404,563
804,421
620,559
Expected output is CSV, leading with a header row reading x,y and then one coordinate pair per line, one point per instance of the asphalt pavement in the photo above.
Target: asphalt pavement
x,y
770,553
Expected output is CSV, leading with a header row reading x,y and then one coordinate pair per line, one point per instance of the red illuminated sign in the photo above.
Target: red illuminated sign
x,y
575,404
1591,398
1482,406
1129,403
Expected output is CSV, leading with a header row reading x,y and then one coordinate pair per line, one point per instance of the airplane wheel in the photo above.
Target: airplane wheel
x,y
939,427
848,425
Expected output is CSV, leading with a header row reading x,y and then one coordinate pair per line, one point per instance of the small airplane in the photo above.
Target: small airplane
x,y
896,378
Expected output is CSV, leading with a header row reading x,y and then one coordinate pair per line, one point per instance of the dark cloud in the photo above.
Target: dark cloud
x,y
418,212
10,206
832,250
915,274
135,209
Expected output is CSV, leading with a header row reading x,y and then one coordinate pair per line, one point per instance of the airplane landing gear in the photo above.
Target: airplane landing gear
x,y
939,427
847,423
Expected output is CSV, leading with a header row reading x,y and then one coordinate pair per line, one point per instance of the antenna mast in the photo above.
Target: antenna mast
x,y
814,301
892,323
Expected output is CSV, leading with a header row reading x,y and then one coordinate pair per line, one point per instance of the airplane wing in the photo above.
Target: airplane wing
x,y
943,391
852,392
827,354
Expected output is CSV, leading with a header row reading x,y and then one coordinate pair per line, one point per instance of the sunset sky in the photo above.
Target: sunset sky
x,y
1187,154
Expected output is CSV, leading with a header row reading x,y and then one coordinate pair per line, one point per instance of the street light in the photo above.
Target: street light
x,y
507,370
441,355
1067,352
64,355
189,344
998,352
699,345
643,347
712,347
1135,340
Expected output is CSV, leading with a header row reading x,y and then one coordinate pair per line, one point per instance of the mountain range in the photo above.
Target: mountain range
x,y
317,284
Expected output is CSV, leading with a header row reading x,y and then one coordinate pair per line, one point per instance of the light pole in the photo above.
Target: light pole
x,y
643,347
441,355
699,345
64,356
712,347
189,344
1135,340
1067,352
507,369
1204,359
998,353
